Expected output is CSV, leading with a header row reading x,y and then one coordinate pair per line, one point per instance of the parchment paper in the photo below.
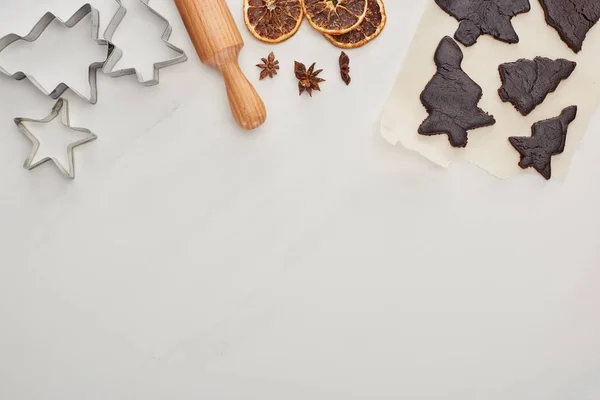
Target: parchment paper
x,y
489,147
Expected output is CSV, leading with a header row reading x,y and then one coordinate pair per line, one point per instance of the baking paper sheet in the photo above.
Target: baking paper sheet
x,y
489,147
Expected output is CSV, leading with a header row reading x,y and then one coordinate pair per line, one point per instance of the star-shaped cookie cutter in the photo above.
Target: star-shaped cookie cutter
x,y
39,29
116,54
61,108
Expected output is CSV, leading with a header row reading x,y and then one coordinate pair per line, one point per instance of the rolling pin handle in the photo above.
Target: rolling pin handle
x,y
246,105
218,42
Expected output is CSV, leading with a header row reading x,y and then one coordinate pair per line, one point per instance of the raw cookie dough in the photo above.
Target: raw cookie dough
x,y
489,147
572,19
548,139
491,17
526,83
451,98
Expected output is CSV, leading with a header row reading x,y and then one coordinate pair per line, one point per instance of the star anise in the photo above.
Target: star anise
x,y
345,68
269,66
307,80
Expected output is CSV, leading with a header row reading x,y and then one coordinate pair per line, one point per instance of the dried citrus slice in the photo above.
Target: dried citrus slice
x,y
273,21
335,16
368,30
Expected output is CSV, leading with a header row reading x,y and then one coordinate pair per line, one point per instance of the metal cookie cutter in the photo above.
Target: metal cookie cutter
x,y
37,31
117,53
61,108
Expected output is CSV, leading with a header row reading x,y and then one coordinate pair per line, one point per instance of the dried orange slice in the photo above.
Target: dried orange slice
x,y
368,30
335,17
273,21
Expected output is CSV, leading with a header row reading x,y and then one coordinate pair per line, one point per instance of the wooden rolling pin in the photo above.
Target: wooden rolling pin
x,y
218,43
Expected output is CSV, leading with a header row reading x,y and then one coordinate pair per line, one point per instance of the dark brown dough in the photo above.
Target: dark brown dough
x,y
548,139
526,83
451,98
572,19
485,17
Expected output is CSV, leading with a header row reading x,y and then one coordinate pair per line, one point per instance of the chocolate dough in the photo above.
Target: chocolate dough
x,y
489,17
526,83
451,98
548,139
572,19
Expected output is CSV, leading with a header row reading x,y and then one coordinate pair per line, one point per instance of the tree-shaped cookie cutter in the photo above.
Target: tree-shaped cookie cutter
x,y
39,29
117,53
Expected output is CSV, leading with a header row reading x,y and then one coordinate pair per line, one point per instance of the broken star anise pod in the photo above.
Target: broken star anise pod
x,y
307,79
345,68
269,66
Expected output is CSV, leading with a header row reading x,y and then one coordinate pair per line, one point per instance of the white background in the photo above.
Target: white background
x,y
306,260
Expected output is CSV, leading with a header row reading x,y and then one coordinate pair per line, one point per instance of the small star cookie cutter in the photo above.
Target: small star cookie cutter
x,y
116,54
61,108
39,29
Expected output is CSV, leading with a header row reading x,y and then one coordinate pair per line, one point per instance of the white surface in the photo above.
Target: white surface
x,y
307,260
489,147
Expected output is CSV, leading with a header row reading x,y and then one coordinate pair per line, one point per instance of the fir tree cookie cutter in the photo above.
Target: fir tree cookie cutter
x,y
116,54
60,109
39,29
